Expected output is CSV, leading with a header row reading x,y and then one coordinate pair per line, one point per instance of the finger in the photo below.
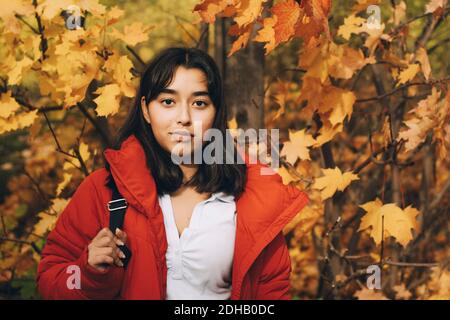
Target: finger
x,y
121,235
105,242
103,259
120,255
118,242
107,251
103,232
118,263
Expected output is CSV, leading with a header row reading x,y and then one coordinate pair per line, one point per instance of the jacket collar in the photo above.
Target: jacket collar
x,y
263,209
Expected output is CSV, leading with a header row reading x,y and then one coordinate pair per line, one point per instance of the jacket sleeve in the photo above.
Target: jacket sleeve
x,y
66,252
273,283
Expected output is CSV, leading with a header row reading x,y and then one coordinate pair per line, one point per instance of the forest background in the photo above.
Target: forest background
x,y
358,90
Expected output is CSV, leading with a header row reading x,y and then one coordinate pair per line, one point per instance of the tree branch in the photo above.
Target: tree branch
x,y
387,94
95,123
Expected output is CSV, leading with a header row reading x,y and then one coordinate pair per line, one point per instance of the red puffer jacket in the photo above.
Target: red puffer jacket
x,y
261,264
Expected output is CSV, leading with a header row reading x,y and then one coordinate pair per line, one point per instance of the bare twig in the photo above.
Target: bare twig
x,y
412,264
185,30
43,195
275,76
387,94
439,196
5,231
80,159
95,123
18,16
32,244
138,58
437,45
43,44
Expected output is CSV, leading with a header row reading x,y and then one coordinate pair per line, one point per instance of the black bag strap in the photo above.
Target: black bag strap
x,y
117,208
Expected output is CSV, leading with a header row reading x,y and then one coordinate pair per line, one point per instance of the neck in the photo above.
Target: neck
x,y
188,170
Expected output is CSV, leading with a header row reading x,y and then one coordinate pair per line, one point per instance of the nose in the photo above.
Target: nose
x,y
184,115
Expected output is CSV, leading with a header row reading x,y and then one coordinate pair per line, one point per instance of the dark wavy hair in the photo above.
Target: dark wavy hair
x,y
209,178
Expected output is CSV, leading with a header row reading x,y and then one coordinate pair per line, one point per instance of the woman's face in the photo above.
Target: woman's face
x,y
173,113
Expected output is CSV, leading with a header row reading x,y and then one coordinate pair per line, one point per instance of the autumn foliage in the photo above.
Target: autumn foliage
x,y
359,91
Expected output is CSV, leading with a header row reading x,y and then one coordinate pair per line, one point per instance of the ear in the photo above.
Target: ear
x,y
144,107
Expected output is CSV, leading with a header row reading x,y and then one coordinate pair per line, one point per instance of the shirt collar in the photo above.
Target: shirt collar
x,y
222,196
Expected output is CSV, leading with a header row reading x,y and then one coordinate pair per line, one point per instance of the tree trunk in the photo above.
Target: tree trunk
x,y
243,75
203,42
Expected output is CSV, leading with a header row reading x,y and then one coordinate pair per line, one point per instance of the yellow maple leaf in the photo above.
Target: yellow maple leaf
x,y
297,146
352,24
333,180
242,40
33,43
285,175
50,9
267,34
343,61
108,100
19,68
18,121
8,11
133,34
428,114
416,132
342,104
59,204
63,184
397,223
123,76
47,10
287,13
8,105
208,9
357,25
313,22
327,133
113,15
45,223
314,59
422,58
248,11
408,74
75,162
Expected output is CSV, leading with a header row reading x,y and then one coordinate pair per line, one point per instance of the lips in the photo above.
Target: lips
x,y
181,135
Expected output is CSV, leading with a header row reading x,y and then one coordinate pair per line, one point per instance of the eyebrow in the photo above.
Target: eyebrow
x,y
195,94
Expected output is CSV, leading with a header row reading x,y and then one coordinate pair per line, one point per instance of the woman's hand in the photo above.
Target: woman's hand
x,y
103,250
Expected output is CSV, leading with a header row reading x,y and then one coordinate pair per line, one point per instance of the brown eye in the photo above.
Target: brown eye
x,y
200,103
166,102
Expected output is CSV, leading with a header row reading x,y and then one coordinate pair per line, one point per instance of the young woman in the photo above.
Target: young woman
x,y
195,230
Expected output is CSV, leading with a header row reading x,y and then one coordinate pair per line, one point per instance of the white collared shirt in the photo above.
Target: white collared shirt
x,y
199,262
